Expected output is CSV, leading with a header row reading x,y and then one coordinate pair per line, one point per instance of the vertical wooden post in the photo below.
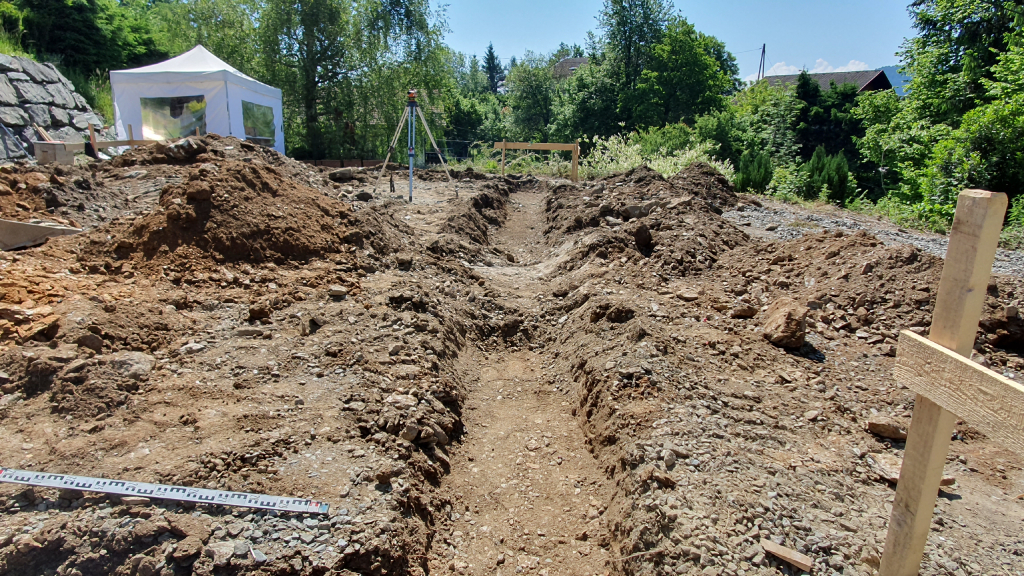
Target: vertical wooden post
x,y
502,158
92,140
130,137
965,274
576,162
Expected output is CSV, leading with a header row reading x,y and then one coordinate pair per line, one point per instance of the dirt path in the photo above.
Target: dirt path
x,y
527,494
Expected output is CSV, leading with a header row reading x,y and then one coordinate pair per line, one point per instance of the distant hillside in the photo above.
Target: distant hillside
x,y
898,81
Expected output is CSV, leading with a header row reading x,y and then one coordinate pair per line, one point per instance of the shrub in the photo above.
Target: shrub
x,y
755,172
826,174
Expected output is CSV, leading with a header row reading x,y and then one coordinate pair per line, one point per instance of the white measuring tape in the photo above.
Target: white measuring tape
x,y
163,491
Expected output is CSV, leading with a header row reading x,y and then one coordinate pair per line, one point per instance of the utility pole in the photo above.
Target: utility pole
x,y
760,68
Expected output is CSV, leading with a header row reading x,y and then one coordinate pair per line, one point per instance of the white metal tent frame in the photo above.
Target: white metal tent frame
x,y
194,73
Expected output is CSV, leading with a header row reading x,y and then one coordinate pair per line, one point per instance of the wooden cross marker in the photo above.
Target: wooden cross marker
x,y
947,383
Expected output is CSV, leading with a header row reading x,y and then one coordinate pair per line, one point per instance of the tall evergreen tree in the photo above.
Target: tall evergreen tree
x,y
493,68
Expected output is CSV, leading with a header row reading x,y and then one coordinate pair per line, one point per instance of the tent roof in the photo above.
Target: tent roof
x,y
198,64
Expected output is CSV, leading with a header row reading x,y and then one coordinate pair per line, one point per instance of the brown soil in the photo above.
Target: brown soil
x,y
532,377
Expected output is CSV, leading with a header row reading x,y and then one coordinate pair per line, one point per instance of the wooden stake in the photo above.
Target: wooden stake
x,y
92,140
576,162
130,137
965,274
502,158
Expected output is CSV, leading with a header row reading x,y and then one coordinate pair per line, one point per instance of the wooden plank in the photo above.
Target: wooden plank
x,y
502,157
532,146
985,399
965,273
74,146
576,162
795,558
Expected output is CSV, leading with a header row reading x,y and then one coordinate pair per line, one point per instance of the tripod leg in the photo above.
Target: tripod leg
x,y
394,140
436,149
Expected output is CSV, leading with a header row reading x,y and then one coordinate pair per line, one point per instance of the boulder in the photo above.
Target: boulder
x,y
8,97
32,93
38,72
80,103
58,116
786,323
18,77
82,121
9,64
344,174
39,114
61,96
12,116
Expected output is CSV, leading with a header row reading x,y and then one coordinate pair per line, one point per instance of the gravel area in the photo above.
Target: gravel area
x,y
778,221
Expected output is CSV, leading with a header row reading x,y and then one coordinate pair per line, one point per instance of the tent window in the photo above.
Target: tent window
x,y
166,118
259,123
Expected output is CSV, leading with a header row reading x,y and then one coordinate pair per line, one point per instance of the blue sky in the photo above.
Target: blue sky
x,y
821,35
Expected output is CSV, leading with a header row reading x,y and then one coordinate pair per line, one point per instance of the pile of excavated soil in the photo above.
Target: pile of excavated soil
x,y
669,225
232,210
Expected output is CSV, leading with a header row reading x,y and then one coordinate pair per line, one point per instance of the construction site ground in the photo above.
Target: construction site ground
x,y
506,376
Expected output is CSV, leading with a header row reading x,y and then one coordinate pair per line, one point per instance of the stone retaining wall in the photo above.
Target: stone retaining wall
x,y
34,93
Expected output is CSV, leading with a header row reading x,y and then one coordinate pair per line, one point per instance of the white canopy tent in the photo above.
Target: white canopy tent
x,y
196,91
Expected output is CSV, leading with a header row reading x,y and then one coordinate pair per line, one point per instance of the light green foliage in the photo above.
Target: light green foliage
x,y
620,153
766,119
665,140
788,184
724,129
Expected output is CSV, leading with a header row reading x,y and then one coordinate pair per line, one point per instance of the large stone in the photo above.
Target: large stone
x,y
187,549
887,428
9,147
32,93
220,552
8,97
18,77
12,116
185,525
28,135
67,134
82,121
39,114
134,365
59,116
61,96
9,64
38,72
786,323
80,103
61,78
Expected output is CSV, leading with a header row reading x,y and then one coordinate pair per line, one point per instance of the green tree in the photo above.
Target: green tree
x,y
86,35
682,80
492,67
225,27
531,94
585,105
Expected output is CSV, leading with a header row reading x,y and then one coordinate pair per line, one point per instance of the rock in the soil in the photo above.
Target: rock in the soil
x,y
688,295
134,365
192,348
643,237
188,548
786,323
90,341
134,501
220,552
402,401
363,196
184,149
887,428
743,311
337,291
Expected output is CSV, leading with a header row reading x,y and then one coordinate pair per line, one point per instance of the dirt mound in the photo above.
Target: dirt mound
x,y
639,216
704,181
238,211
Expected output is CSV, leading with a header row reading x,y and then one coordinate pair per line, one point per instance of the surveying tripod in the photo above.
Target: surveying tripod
x,y
411,110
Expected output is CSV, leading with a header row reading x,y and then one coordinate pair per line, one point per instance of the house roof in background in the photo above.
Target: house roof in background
x,y
567,66
865,80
